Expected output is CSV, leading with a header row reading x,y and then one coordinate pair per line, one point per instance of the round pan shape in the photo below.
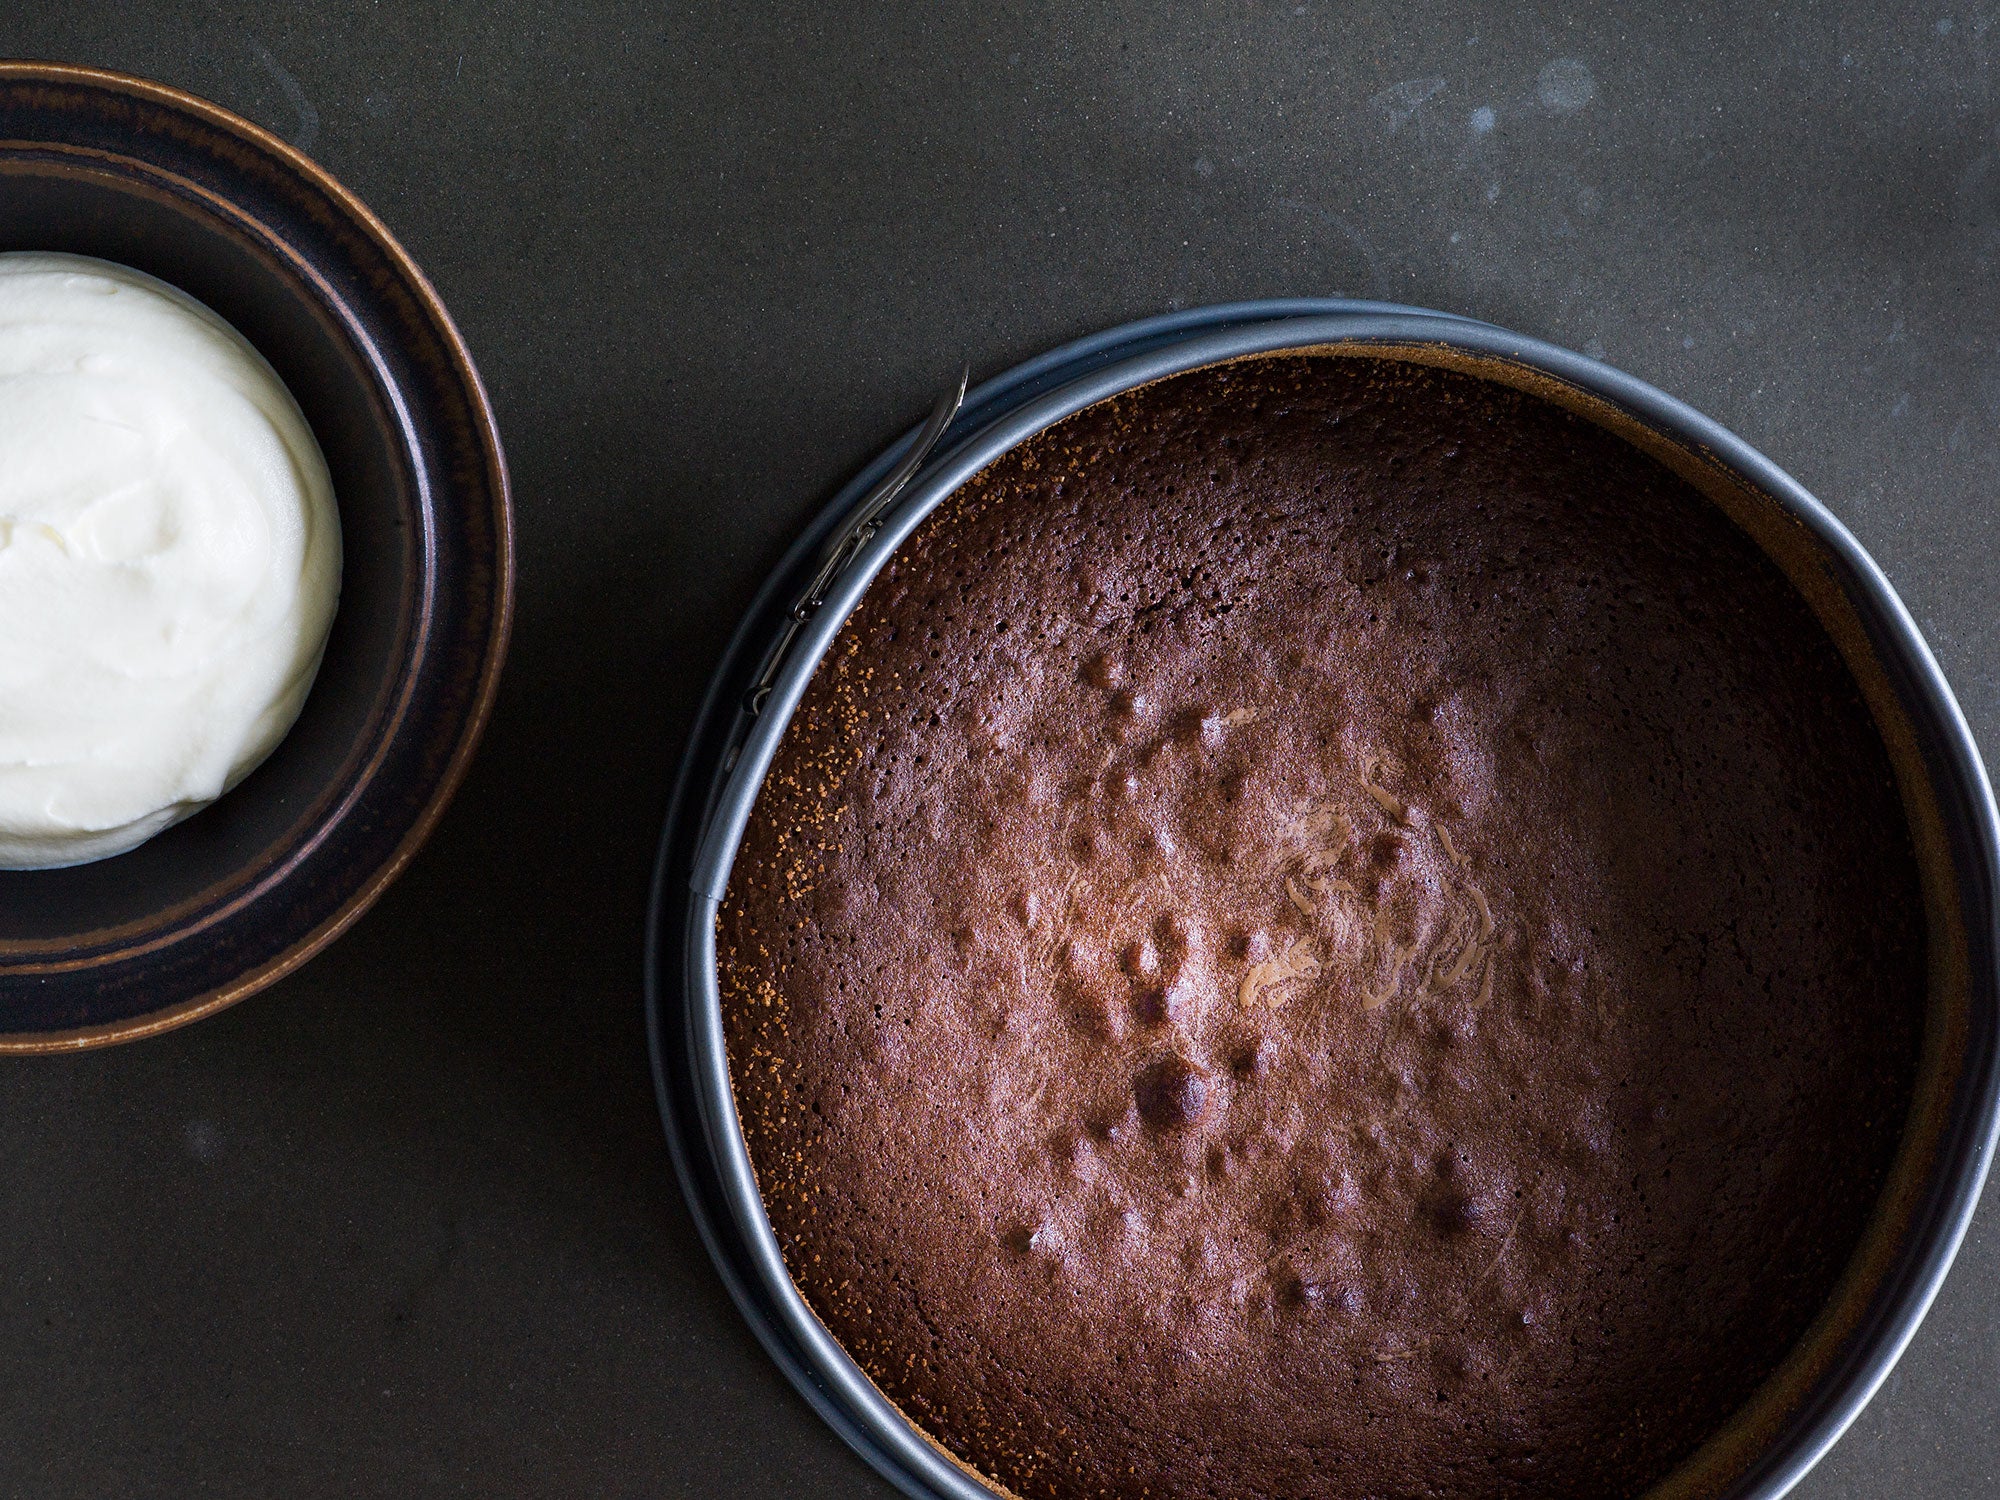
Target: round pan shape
x,y
1948,1143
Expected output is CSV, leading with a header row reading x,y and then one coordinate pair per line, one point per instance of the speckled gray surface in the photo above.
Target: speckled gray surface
x,y
405,1224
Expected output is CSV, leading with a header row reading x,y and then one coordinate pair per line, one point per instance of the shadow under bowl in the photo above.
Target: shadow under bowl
x,y
217,907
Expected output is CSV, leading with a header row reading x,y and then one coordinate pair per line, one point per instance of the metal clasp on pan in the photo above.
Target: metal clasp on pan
x,y
855,533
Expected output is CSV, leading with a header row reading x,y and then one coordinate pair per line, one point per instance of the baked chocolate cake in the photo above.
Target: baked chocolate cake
x,y
1328,928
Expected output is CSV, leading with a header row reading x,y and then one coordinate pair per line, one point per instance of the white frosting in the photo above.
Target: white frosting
x,y
169,558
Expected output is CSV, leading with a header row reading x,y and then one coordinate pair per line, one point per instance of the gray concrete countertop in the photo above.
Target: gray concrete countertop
x,y
405,1224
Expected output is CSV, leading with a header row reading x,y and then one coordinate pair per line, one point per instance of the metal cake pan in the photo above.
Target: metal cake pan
x,y
1948,1142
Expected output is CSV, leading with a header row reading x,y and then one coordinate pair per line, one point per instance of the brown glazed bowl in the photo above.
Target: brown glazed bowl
x,y
219,906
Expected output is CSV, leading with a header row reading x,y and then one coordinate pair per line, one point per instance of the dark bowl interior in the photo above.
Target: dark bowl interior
x,y
379,514
96,164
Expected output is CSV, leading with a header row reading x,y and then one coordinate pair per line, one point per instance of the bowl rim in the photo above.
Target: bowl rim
x,y
492,456
729,750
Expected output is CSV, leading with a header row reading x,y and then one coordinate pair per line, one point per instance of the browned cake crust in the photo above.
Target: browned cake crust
x,y
1328,929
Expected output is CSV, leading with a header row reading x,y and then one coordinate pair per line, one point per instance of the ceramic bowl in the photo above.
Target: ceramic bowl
x,y
223,904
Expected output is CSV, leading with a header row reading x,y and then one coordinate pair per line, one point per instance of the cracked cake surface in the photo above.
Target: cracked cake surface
x,y
1327,928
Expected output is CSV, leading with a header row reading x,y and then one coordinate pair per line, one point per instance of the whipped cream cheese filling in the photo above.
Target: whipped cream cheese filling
x,y
169,558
